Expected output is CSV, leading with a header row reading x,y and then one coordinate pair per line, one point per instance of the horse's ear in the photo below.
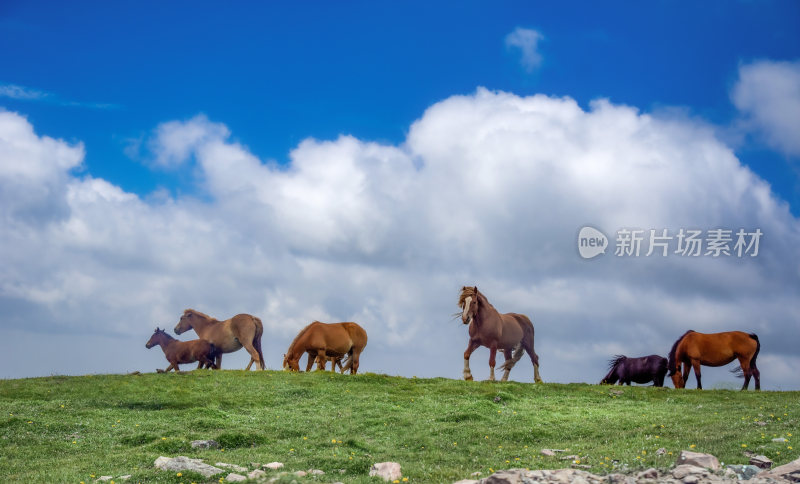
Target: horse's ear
x,y
476,288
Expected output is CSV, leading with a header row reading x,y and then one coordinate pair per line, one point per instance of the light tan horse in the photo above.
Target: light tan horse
x,y
227,336
510,333
326,340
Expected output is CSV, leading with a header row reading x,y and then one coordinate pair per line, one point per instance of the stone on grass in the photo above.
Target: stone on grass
x,y
105,478
205,444
661,451
760,461
256,474
780,440
648,474
124,478
273,465
316,472
547,452
232,467
232,477
388,471
466,481
744,472
683,470
300,473
183,463
789,472
698,459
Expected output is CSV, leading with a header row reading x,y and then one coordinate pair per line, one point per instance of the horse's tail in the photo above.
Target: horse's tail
x,y
213,352
755,355
672,365
257,342
738,370
528,334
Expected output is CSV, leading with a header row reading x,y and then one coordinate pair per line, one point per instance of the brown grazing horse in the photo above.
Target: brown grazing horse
x,y
715,349
228,336
178,352
487,327
325,340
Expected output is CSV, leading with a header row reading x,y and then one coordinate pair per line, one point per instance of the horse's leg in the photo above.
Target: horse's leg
x,y
310,361
696,366
508,364
172,366
492,361
219,361
471,346
356,358
534,360
254,358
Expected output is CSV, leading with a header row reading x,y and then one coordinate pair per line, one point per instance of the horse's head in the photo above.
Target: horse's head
x,y
291,364
185,323
155,339
469,304
677,377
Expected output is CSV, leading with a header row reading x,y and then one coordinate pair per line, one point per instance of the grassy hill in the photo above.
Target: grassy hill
x,y
69,429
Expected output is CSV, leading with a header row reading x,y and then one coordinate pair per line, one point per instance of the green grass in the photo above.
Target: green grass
x,y
67,429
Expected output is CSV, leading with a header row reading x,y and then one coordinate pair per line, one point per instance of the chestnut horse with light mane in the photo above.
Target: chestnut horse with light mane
x,y
714,349
510,333
325,341
228,336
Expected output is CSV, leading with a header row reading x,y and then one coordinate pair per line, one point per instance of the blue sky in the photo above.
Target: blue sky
x,y
277,73
364,160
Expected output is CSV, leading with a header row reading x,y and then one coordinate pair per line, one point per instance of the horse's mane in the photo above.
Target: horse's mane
x,y
301,333
616,361
198,313
465,293
671,362
164,333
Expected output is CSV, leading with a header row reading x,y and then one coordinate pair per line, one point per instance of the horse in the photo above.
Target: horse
x,y
714,349
322,362
325,340
511,333
178,352
228,336
638,370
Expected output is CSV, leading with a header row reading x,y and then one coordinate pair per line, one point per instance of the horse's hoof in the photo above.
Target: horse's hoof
x,y
468,377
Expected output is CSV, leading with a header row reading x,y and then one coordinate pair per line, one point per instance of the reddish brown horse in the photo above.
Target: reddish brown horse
x,y
510,333
327,340
178,352
228,336
715,349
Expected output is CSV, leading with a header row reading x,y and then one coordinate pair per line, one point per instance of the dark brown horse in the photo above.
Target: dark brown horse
x,y
510,333
178,352
323,362
644,369
715,349
326,340
228,336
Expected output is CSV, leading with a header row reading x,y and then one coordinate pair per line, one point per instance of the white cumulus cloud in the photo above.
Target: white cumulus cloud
x,y
768,95
488,189
527,41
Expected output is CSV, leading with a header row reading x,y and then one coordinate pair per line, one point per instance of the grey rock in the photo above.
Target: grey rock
x,y
691,479
683,470
466,481
183,463
301,473
124,478
648,474
256,474
761,461
273,465
235,477
661,451
232,467
105,478
388,471
698,459
789,472
570,457
744,472
548,452
779,440
205,444
316,472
